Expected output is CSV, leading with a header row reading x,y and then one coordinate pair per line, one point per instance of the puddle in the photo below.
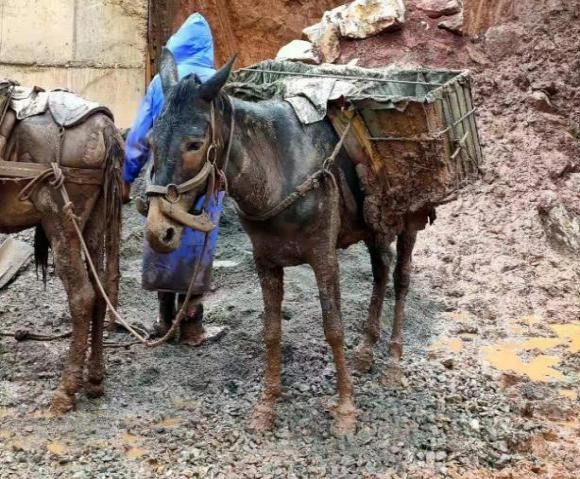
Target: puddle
x,y
57,448
129,439
168,422
506,355
453,345
568,393
570,333
135,453
129,443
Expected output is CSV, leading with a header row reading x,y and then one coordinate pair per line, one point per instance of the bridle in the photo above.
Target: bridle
x,y
210,174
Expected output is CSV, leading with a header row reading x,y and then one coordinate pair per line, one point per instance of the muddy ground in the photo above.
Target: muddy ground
x,y
490,385
181,412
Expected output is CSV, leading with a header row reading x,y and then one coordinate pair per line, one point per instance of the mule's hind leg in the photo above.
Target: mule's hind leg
x,y
402,280
380,262
96,245
272,282
327,277
81,297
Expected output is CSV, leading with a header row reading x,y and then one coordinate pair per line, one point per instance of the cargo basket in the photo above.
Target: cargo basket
x,y
411,133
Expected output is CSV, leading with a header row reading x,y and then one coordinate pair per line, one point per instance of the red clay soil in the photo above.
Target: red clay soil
x,y
255,29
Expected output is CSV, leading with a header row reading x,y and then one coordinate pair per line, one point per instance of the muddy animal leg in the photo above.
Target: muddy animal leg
x,y
81,297
329,289
380,262
402,280
272,282
95,243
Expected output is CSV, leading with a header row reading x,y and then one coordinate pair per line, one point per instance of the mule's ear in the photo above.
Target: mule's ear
x,y
168,70
211,88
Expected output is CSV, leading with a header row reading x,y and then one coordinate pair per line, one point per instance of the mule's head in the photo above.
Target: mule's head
x,y
180,140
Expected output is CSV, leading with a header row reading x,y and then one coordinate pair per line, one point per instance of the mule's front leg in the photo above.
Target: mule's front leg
x,y
402,280
81,297
328,285
272,282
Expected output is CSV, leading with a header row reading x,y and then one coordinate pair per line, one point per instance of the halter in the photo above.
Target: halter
x,y
170,194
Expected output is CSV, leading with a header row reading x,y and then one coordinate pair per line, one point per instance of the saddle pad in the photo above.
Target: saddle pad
x,y
68,109
27,101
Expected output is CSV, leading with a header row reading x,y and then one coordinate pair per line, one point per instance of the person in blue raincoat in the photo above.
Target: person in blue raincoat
x,y
170,274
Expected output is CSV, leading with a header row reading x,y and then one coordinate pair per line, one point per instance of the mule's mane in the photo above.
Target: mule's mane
x,y
184,91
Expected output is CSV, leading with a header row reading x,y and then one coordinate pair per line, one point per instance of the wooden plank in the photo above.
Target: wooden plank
x,y
14,255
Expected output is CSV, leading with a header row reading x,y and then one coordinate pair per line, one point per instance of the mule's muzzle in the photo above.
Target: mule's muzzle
x,y
162,234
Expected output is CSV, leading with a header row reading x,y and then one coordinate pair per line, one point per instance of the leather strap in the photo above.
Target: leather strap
x,y
82,176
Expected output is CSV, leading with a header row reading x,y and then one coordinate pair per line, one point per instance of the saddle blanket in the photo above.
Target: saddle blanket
x,y
67,108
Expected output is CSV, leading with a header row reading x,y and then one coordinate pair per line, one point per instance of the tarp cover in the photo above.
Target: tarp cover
x,y
309,88
67,108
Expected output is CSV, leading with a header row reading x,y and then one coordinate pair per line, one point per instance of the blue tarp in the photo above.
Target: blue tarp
x,y
192,47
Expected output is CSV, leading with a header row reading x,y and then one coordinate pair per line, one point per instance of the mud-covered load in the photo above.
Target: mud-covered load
x,y
411,133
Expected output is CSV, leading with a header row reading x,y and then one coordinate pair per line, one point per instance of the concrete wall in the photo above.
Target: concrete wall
x,y
94,47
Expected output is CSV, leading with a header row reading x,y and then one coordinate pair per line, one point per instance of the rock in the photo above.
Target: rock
x,y
326,36
561,227
502,41
360,19
474,424
453,24
299,50
540,101
438,8
364,18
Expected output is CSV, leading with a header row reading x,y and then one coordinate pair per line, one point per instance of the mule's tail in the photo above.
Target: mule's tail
x,y
41,247
112,192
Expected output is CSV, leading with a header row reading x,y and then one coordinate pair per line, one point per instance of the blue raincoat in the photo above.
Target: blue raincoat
x,y
192,47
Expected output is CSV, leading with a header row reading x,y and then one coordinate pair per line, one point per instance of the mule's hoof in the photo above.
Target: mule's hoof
x,y
61,403
94,390
209,335
363,359
393,374
395,351
263,418
344,420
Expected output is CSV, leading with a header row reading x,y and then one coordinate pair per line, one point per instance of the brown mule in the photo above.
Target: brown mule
x,y
93,145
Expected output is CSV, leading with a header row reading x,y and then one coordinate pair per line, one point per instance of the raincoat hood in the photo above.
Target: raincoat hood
x,y
192,44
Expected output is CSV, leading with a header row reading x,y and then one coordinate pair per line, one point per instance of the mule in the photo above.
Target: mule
x,y
270,154
93,145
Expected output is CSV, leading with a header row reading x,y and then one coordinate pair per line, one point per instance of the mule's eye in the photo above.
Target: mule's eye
x,y
193,145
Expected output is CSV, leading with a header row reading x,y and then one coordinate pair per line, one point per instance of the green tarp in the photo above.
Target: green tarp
x,y
309,88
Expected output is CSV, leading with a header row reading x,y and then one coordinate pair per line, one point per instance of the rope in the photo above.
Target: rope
x,y
311,183
341,77
55,178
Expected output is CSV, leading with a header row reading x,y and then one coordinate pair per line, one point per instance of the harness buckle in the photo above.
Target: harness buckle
x,y
212,153
172,194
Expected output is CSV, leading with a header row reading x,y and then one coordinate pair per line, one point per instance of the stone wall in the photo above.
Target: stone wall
x,y
94,47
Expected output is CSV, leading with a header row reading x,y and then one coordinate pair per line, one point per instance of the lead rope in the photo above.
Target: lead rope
x,y
55,177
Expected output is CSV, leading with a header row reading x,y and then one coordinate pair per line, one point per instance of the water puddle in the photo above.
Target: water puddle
x,y
568,393
507,355
130,445
453,345
57,448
